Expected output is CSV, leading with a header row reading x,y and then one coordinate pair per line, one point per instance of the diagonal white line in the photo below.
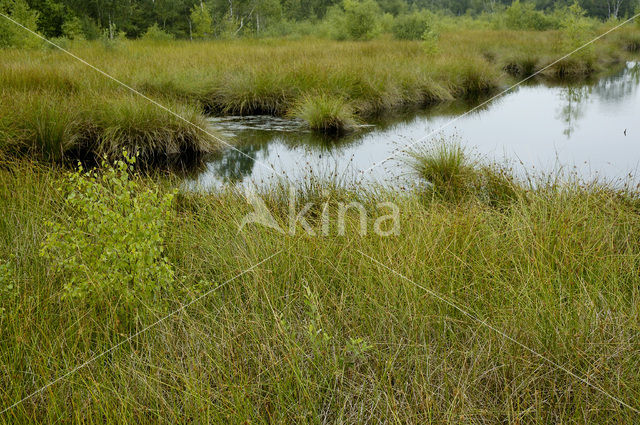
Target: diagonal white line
x,y
502,93
499,332
129,338
158,104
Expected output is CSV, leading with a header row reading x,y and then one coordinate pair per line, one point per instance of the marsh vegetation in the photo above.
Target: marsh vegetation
x,y
125,298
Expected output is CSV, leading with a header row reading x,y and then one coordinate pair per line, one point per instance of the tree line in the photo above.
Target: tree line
x,y
93,19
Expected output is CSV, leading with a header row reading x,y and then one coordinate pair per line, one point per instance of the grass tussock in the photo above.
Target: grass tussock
x,y
59,127
452,174
329,115
319,330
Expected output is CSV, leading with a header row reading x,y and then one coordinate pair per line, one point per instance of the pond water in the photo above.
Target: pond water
x,y
591,129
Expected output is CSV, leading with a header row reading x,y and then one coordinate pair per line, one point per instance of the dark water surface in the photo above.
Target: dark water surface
x,y
592,129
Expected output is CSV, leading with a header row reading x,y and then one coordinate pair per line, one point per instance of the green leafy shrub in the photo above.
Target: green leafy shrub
x,y
155,33
386,22
411,26
109,250
430,40
111,37
202,21
524,16
575,30
73,29
356,20
11,35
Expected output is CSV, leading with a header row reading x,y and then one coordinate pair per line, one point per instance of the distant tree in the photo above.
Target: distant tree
x,y
11,35
524,16
73,29
52,15
202,21
155,33
614,7
394,7
575,32
264,12
361,18
411,26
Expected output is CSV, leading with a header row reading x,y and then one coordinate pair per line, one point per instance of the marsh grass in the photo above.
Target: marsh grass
x,y
453,174
321,332
53,126
329,115
329,84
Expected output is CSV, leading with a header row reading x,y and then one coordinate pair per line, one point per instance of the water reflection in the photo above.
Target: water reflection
x,y
615,88
235,165
537,125
612,89
571,110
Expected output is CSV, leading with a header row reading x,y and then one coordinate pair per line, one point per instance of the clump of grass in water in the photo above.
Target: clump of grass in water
x,y
142,127
325,113
453,175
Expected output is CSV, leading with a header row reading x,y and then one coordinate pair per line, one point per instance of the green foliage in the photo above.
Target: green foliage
x,y
202,21
73,29
231,18
90,28
109,249
228,28
356,20
412,26
155,33
576,31
430,40
386,23
524,16
11,35
111,37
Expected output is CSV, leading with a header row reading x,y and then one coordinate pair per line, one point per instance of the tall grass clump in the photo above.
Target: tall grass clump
x,y
154,134
452,174
325,113
471,77
57,127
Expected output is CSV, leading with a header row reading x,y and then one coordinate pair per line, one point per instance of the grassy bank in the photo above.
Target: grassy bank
x,y
320,333
55,106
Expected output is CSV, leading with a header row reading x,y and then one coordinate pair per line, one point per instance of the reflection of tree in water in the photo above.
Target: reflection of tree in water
x,y
573,100
234,165
616,88
612,89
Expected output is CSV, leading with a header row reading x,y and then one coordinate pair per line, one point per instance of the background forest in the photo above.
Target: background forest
x,y
339,19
